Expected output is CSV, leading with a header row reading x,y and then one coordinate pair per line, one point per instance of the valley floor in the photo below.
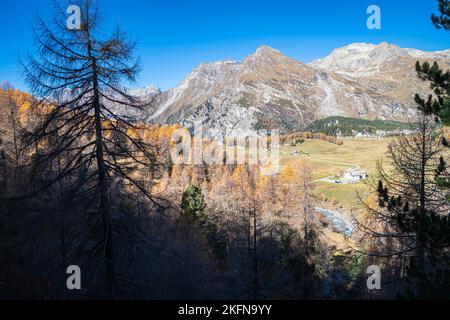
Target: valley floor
x,y
327,160
330,160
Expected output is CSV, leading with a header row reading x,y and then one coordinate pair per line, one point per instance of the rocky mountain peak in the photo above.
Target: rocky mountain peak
x,y
360,59
144,91
266,55
264,51
267,89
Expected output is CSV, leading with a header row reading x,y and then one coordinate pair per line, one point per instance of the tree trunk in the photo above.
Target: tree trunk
x,y
255,256
103,185
420,250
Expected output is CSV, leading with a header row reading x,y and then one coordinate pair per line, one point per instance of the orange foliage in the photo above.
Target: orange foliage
x,y
306,135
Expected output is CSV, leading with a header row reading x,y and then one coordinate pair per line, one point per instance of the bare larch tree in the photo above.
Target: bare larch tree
x,y
86,125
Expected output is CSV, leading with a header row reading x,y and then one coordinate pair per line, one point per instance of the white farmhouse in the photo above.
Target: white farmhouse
x,y
355,175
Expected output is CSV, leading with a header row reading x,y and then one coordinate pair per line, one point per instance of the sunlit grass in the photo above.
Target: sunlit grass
x,y
329,160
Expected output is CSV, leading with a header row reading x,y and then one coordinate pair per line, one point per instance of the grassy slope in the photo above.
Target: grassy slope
x,y
326,159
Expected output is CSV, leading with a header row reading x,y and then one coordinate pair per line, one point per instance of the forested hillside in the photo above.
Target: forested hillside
x,y
193,242
343,126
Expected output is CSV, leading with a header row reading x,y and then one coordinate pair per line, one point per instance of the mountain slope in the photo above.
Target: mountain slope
x,y
268,90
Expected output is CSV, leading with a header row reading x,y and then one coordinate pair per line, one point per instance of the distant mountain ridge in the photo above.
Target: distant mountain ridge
x,y
364,59
269,90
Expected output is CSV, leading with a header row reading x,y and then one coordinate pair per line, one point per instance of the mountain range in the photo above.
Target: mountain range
x,y
268,90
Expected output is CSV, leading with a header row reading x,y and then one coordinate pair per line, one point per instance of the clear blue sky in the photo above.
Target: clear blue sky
x,y
176,35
